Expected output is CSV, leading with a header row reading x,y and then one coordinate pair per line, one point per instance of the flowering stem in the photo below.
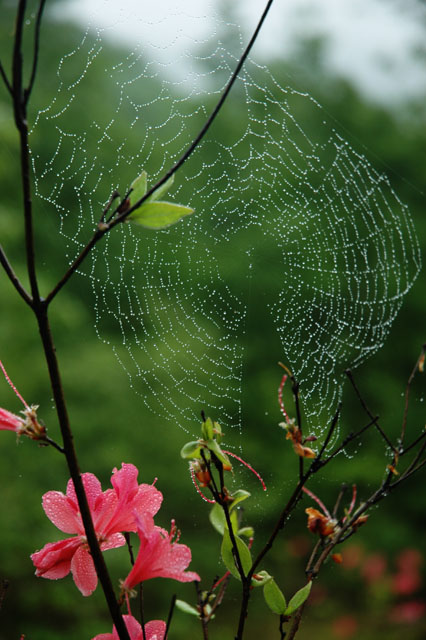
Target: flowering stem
x,y
71,457
39,306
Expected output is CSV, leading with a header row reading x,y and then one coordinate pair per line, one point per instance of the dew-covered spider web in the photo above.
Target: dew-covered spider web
x,y
296,240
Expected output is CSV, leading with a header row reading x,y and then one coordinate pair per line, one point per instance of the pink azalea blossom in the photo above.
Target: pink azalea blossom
x,y
10,421
154,630
159,556
113,511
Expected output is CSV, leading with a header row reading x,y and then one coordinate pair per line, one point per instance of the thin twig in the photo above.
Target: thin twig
x,y
349,438
53,444
367,410
106,227
5,78
37,27
19,109
170,616
339,499
413,444
14,278
330,431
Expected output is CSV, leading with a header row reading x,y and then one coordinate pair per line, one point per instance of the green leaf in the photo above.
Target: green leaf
x,y
247,532
274,597
158,193
298,599
191,450
228,557
207,429
138,187
238,497
213,446
186,608
217,431
217,518
159,215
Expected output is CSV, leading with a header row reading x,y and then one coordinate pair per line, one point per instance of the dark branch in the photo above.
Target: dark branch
x,y
367,410
170,616
28,90
14,278
5,79
330,432
104,228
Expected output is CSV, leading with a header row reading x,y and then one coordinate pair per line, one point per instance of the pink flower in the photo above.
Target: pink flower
x,y
154,630
10,421
113,511
159,556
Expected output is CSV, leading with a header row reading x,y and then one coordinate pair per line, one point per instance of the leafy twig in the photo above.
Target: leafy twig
x,y
104,228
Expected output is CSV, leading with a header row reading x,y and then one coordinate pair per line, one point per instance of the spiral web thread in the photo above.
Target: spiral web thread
x,y
323,246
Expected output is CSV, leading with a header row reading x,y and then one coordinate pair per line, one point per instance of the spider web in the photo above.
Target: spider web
x,y
295,235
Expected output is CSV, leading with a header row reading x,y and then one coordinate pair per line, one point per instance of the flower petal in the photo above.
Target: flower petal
x,y
158,557
115,540
131,498
83,571
60,511
155,630
54,560
9,421
92,487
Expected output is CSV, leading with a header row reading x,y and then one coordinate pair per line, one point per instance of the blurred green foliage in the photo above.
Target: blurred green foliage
x,y
111,424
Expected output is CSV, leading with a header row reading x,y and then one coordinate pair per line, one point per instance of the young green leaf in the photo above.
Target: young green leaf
x,y
158,193
298,599
191,450
213,446
238,496
274,597
138,187
217,518
207,429
186,608
159,215
228,556
247,532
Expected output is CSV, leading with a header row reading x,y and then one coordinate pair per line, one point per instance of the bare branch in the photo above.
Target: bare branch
x,y
28,90
14,278
5,79
367,410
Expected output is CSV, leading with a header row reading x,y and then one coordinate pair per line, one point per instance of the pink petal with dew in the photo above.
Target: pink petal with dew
x,y
132,497
113,542
9,421
158,557
54,560
92,487
61,511
106,506
155,630
83,571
